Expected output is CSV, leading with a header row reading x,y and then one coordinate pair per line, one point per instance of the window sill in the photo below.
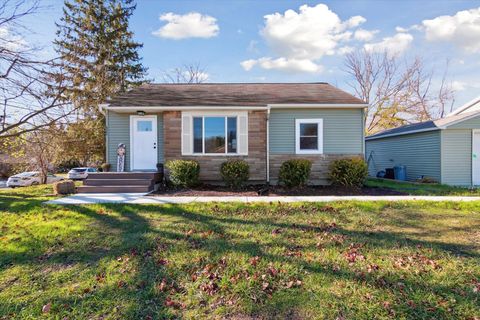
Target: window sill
x,y
306,152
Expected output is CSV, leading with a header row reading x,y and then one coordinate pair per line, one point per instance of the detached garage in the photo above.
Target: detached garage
x,y
446,150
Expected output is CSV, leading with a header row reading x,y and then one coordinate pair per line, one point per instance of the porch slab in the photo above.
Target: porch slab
x,y
142,198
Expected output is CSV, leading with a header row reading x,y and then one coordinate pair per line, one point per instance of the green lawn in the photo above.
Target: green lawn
x,y
427,189
304,261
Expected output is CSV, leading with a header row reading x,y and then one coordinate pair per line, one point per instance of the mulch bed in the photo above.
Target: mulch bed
x,y
253,191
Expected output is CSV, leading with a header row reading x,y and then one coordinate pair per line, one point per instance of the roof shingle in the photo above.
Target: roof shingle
x,y
232,94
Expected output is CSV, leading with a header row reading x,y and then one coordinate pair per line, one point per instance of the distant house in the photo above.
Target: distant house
x,y
446,150
262,123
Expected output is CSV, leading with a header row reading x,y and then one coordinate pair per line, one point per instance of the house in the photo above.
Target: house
x,y
262,123
446,150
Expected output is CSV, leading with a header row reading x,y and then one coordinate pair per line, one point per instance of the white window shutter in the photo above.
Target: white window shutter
x,y
243,134
320,135
186,134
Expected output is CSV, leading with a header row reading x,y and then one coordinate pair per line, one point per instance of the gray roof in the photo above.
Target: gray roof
x,y
425,126
232,94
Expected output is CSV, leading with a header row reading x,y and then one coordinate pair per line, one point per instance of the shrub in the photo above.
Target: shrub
x,y
105,167
348,172
183,173
64,187
295,172
235,173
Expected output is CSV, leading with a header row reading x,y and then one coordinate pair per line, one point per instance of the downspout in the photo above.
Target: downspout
x,y
268,146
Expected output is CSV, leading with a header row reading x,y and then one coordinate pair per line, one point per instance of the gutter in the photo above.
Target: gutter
x,y
102,108
401,133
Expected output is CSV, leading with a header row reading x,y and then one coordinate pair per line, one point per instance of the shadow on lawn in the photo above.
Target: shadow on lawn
x,y
138,233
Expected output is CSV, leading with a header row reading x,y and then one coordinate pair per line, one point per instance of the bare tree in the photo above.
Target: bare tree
x,y
28,101
188,73
398,92
39,148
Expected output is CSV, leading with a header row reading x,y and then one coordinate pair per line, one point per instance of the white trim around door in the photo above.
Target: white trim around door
x,y
143,143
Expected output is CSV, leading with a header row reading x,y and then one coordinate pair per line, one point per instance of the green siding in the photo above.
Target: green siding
x,y
420,152
342,129
473,123
457,157
118,131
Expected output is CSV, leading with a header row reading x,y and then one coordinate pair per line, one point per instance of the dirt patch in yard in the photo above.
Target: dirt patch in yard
x,y
254,191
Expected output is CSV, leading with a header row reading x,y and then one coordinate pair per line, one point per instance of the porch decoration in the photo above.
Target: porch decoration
x,y
121,157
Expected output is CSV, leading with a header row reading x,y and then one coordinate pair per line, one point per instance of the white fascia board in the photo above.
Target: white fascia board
x,y
403,133
180,108
319,105
467,105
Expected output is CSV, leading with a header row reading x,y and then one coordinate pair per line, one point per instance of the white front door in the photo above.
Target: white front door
x,y
476,157
143,133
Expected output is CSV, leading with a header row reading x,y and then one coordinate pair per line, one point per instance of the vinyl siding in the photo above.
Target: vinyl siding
x,y
457,157
118,131
342,129
420,152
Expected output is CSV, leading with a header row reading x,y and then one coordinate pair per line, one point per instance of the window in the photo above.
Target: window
x,y
144,126
214,134
309,136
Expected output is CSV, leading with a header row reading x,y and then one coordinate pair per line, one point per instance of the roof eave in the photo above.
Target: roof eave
x,y
239,107
374,137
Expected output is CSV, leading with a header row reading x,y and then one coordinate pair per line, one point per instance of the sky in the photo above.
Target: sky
x,y
296,41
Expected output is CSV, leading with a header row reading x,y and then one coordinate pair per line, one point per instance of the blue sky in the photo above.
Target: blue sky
x,y
259,41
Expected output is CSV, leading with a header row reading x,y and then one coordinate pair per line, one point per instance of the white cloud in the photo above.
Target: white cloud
x,y
283,64
462,29
190,25
365,35
459,85
300,38
308,34
10,41
345,50
395,45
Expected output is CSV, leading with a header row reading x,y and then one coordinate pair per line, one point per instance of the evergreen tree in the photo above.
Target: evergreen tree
x,y
98,57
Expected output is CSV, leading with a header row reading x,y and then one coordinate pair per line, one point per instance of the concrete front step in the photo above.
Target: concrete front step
x,y
114,189
117,182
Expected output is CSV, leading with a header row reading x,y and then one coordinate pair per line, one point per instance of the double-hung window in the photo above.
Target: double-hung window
x,y
215,134
309,136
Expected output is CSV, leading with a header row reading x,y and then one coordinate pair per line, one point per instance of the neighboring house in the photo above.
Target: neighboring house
x,y
262,123
447,150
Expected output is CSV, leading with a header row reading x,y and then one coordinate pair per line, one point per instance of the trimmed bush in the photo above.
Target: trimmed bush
x,y
183,173
105,167
64,187
295,172
348,172
235,173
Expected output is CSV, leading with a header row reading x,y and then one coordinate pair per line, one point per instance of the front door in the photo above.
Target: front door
x,y
476,158
143,132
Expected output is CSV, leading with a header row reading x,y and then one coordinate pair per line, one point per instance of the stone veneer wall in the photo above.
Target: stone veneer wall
x,y
320,165
210,165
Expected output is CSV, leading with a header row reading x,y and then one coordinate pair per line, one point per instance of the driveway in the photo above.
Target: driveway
x,y
141,198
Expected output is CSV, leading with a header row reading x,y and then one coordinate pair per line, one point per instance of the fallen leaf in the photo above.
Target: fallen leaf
x,y
46,308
